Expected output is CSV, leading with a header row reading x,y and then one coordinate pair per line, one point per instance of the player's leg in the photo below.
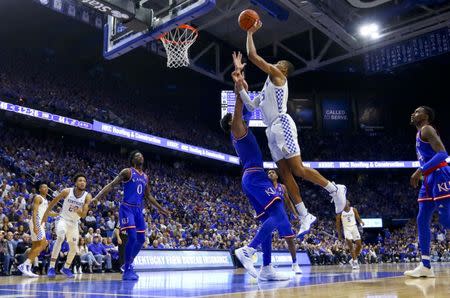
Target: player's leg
x,y
351,248
426,210
36,248
444,212
290,241
288,179
61,231
140,230
72,237
126,216
337,191
277,213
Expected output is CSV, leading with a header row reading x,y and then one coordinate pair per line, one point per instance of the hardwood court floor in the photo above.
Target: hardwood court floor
x,y
385,280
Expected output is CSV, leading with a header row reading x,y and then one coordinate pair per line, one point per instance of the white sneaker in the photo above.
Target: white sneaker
x,y
26,270
339,197
75,271
354,264
296,269
268,273
245,254
306,223
420,271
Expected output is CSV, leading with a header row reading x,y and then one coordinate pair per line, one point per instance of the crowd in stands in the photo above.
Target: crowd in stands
x,y
38,80
208,208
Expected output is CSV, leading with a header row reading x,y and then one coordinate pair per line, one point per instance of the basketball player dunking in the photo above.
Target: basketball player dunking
x,y
75,206
282,132
136,187
348,220
259,190
37,229
281,189
435,190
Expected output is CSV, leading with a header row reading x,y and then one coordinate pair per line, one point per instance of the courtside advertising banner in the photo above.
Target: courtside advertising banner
x,y
183,259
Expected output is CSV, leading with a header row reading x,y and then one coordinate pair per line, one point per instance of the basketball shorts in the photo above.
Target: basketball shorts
x,y
68,229
262,195
352,233
436,186
131,217
282,138
41,231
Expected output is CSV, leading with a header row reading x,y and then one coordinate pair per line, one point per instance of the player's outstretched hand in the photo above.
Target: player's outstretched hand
x,y
237,61
415,178
255,27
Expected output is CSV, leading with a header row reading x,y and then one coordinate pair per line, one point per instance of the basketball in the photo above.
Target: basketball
x,y
247,19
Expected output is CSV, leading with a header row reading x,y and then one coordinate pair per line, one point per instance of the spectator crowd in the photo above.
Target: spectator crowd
x,y
208,208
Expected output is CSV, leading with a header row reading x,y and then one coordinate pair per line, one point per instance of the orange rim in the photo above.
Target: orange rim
x,y
184,26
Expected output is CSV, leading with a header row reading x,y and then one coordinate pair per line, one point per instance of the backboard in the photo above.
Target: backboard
x,y
166,15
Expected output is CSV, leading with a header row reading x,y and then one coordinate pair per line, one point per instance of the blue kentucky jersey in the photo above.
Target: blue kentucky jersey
x,y
247,149
134,189
424,150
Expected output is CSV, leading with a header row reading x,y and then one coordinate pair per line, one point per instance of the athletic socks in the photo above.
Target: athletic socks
x,y
301,209
331,187
426,261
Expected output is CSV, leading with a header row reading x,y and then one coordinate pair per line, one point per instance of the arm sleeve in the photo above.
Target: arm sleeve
x,y
250,104
438,158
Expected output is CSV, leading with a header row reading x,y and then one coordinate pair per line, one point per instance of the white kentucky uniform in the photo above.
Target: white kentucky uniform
x,y
67,224
349,224
41,227
281,129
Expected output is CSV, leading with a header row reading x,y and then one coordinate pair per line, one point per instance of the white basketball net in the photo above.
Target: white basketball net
x,y
177,43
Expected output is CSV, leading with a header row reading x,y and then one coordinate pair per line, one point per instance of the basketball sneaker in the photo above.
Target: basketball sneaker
x,y
268,273
67,272
420,271
306,223
296,269
354,264
245,254
129,274
51,273
339,197
26,270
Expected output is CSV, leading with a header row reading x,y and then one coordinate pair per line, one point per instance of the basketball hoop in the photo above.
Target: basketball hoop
x,y
177,43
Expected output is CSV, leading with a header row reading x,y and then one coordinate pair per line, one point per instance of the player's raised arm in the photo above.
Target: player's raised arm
x,y
124,175
238,128
242,89
357,217
253,56
154,202
83,212
53,203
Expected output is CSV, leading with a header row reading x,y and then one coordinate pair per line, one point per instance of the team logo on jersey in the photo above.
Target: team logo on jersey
x,y
124,220
444,187
270,191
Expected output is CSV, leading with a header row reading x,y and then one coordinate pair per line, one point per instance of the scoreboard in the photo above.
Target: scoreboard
x,y
228,102
419,48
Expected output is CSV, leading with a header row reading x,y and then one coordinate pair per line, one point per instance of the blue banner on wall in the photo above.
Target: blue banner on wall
x,y
336,114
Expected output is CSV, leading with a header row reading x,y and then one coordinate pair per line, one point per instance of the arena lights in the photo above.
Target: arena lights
x,y
145,138
370,31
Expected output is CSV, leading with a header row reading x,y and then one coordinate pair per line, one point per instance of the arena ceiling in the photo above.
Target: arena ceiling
x,y
312,34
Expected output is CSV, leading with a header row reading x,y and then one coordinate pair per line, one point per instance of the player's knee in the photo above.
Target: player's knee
x,y
299,170
132,237
140,238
